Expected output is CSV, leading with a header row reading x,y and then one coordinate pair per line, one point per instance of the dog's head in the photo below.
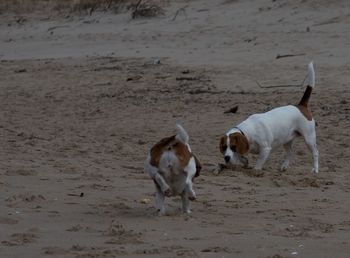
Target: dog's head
x,y
233,147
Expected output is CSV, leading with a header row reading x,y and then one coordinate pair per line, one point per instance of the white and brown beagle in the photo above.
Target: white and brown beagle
x,y
172,166
260,133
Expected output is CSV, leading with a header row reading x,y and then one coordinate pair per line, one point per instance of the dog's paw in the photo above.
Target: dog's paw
x,y
161,212
167,192
219,168
187,211
192,198
284,167
248,167
191,195
314,170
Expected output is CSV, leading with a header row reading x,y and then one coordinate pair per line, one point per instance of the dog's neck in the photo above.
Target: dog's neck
x,y
235,130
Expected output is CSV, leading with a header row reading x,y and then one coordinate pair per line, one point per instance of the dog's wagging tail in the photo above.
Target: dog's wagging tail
x,y
310,82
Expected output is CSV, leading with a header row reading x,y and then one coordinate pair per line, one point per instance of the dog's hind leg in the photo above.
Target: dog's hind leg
x,y
310,141
158,179
189,189
190,170
159,199
185,202
164,187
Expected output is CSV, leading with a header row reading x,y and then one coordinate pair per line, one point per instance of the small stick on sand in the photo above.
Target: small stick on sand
x,y
182,9
133,15
277,86
281,85
289,55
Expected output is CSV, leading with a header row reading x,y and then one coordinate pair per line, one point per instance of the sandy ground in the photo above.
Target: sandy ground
x,y
81,103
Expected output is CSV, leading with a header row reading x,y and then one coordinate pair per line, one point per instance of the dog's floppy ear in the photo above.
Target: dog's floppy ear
x,y
222,143
198,166
241,142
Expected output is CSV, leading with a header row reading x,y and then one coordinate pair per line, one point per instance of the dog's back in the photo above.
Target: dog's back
x,y
280,125
275,127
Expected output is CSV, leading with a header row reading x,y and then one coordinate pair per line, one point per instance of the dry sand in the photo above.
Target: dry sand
x,y
81,103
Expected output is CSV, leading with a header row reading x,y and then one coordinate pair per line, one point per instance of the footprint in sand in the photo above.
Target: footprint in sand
x,y
119,235
25,198
21,172
8,221
19,239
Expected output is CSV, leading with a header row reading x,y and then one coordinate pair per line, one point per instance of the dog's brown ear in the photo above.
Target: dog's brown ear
x,y
198,166
223,141
241,142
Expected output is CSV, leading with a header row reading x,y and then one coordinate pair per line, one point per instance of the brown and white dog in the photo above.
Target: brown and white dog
x,y
172,166
260,133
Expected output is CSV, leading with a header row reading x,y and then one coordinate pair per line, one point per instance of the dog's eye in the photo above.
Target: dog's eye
x,y
233,148
224,147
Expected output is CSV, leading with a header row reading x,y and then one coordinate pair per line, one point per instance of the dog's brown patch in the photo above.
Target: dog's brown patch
x,y
182,153
239,143
305,111
170,143
305,99
158,148
302,106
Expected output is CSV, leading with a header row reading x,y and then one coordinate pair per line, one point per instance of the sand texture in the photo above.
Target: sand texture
x,y
83,98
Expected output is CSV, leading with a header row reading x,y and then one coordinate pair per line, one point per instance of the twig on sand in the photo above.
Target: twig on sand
x,y
187,78
57,27
289,55
92,9
146,10
135,10
182,9
277,86
79,195
281,85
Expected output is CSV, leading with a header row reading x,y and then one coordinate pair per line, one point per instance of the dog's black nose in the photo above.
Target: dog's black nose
x,y
227,158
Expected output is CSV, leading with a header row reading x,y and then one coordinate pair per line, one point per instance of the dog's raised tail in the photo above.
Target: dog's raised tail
x,y
181,134
310,82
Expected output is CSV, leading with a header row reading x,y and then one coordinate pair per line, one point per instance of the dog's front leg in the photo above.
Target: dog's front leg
x,y
263,155
289,155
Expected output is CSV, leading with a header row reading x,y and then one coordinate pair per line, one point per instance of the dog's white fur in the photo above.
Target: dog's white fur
x,y
280,126
170,177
